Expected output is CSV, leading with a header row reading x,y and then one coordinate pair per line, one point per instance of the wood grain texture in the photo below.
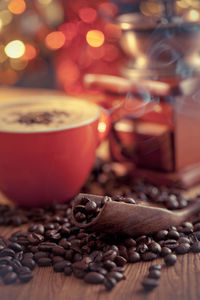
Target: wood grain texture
x,y
181,281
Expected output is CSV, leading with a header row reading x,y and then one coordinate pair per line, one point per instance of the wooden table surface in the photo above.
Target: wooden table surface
x,y
181,281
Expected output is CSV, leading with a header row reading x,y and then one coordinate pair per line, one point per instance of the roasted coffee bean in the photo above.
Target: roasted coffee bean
x,y
155,267
134,257
28,262
171,244
16,265
4,269
142,248
154,274
7,252
161,235
183,240
108,264
123,251
68,271
170,259
130,243
40,254
109,283
58,250
173,234
65,244
44,262
197,227
186,227
77,257
116,275
94,278
195,248
15,246
172,202
5,260
37,228
35,238
60,266
91,206
183,248
19,255
57,259
25,276
165,251
150,283
46,246
154,247
80,217
120,261
28,255
110,255
10,278
148,256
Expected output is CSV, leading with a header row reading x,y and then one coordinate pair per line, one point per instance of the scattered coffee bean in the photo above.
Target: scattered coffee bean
x,y
10,277
150,283
154,274
183,248
94,278
44,262
170,259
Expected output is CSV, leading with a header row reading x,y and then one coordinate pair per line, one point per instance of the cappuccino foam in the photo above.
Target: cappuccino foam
x,y
44,115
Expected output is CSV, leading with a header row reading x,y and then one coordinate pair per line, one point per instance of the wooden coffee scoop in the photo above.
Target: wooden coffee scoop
x,y
133,219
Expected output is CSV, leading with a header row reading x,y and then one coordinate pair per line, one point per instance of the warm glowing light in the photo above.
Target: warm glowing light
x,y
96,52
87,14
3,56
157,108
95,38
111,52
30,52
69,29
126,26
1,24
102,127
141,61
5,16
182,4
44,2
108,9
17,7
8,76
193,15
55,40
68,72
15,49
18,64
112,32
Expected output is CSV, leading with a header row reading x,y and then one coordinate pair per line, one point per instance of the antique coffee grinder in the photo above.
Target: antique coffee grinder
x,y
163,63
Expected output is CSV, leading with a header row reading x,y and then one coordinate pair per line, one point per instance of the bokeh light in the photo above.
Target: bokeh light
x,y
112,32
68,72
108,9
95,38
44,2
1,24
111,52
193,15
3,56
96,52
55,40
30,52
5,16
87,14
69,29
15,49
17,7
18,64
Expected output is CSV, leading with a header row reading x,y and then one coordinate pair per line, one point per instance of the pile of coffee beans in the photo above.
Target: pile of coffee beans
x,y
88,209
53,240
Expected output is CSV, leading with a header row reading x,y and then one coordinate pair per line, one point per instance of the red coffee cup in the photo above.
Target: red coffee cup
x,y
39,168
